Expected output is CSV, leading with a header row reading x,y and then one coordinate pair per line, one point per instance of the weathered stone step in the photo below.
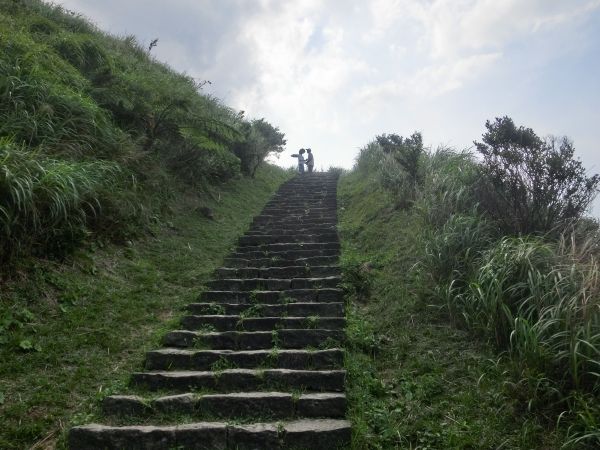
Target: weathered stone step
x,y
314,434
237,405
246,253
179,359
287,246
332,309
255,340
273,284
284,296
278,272
290,231
299,219
326,206
240,323
248,240
268,219
231,380
281,262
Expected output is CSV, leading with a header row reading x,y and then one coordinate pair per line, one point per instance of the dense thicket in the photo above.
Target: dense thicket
x,y
506,251
95,133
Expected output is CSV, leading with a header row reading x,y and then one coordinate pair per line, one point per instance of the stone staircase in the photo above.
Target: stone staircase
x,y
257,363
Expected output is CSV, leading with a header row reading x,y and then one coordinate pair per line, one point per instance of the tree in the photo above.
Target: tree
x,y
528,184
260,140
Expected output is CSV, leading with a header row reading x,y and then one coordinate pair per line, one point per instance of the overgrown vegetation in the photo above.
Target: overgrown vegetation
x,y
72,333
498,249
96,136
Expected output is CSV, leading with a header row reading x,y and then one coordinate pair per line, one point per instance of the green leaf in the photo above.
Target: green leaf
x,y
26,344
1,398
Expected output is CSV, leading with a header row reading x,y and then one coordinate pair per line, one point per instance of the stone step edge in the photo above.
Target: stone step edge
x,y
272,308
273,404
328,434
286,338
240,380
276,358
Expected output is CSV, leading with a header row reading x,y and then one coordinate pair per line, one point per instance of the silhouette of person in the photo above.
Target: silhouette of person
x,y
300,156
310,161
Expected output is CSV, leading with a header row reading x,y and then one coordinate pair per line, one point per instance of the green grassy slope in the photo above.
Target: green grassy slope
x,y
97,136
72,332
415,381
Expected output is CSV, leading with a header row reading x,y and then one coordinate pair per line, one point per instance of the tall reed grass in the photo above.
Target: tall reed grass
x,y
46,205
536,299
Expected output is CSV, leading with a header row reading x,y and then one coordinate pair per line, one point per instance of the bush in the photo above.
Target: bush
x,y
530,185
407,154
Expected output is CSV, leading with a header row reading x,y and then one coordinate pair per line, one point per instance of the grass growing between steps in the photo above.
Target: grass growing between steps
x,y
414,380
73,332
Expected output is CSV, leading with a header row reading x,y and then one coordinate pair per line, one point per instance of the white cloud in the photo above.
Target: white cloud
x,y
428,82
450,28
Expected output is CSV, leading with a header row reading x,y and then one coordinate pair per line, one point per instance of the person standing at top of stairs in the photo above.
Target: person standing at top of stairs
x,y
300,156
310,160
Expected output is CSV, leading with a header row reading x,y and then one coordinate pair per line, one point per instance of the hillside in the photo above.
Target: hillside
x,y
97,137
468,328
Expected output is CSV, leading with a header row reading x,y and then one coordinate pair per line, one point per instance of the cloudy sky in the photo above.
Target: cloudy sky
x,y
332,74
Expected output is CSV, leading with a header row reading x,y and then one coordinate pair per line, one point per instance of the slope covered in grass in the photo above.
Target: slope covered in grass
x,y
463,333
97,137
73,332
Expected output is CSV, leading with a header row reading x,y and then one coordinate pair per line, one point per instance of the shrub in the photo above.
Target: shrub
x,y
407,153
530,185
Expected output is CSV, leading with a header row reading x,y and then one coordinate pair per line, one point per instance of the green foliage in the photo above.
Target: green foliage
x,y
74,99
476,261
401,169
357,278
47,204
414,380
531,185
260,140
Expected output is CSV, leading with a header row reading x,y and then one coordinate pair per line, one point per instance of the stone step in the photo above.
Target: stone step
x,y
305,271
270,239
246,405
285,296
324,206
262,231
179,359
332,309
294,208
272,284
255,340
240,323
236,380
314,434
285,255
287,246
281,262
268,219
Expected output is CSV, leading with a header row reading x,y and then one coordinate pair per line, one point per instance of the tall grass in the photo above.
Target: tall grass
x,y
535,299
46,205
79,105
